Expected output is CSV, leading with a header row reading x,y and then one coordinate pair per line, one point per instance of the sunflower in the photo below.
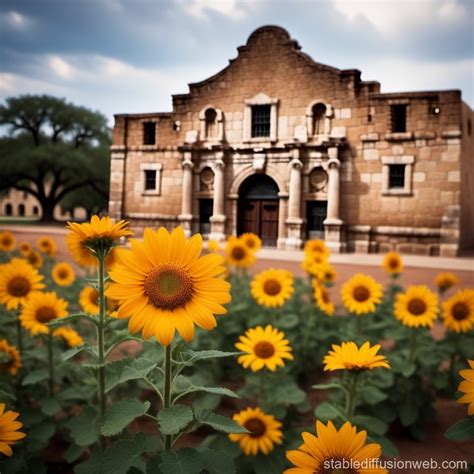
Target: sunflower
x,y
330,448
97,235
212,245
314,262
325,273
393,263
445,280
264,431
361,293
323,299
272,288
238,253
315,246
467,387
47,245
252,241
7,241
17,280
40,309
34,258
264,348
418,306
69,336
11,362
89,300
63,274
348,356
458,311
9,430
25,248
162,284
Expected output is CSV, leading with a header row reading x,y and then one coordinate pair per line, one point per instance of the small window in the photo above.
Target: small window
x,y
397,176
261,121
399,118
149,133
150,180
21,210
35,210
319,113
8,209
211,123
469,127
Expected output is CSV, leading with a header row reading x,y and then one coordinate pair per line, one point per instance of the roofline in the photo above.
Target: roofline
x,y
146,114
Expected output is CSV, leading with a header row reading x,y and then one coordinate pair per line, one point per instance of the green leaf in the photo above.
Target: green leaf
x,y
370,423
125,370
326,411
216,462
214,390
462,430
72,453
189,357
388,448
326,386
184,461
288,321
69,354
69,319
39,436
372,395
174,419
50,405
121,457
6,396
84,428
119,415
219,422
408,370
36,376
408,413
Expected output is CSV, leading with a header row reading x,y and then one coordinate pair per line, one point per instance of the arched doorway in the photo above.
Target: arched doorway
x,y
258,208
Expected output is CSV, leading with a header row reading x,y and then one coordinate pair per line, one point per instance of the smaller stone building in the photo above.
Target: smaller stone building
x,y
292,149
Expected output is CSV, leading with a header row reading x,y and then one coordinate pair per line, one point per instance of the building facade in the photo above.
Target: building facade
x,y
291,149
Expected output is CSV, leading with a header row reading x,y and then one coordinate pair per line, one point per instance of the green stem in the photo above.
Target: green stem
x,y
359,327
262,395
100,335
413,338
167,391
19,333
351,396
452,364
50,362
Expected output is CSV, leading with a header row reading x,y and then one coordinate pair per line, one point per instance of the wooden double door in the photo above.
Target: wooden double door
x,y
259,216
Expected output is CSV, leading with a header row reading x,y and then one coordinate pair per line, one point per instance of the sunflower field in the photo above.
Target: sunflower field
x,y
163,355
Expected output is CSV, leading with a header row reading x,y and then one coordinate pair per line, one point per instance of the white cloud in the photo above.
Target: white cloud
x,y
60,67
16,20
388,16
230,8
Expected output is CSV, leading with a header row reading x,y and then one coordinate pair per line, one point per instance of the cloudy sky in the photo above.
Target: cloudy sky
x,y
131,55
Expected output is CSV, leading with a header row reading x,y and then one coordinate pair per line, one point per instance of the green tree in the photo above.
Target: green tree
x,y
55,150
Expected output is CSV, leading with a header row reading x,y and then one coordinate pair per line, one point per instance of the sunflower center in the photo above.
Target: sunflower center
x,y
416,306
238,253
256,427
45,314
361,294
63,273
393,263
272,287
250,243
264,349
19,286
460,311
7,241
168,287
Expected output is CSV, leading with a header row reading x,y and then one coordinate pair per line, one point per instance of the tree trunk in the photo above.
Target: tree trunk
x,y
48,211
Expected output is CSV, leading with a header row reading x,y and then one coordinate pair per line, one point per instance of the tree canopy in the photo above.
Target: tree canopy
x,y
55,151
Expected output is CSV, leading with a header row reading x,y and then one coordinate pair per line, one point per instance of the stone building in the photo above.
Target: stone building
x,y
291,149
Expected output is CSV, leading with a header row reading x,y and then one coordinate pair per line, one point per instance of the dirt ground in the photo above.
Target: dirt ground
x,y
435,446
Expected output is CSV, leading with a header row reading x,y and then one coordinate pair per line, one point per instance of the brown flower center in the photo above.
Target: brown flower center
x,y
272,287
94,297
325,296
45,314
7,241
256,427
460,311
416,306
63,274
168,287
250,243
393,263
264,349
361,294
238,253
19,286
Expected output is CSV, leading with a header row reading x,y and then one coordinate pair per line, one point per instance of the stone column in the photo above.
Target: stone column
x,y
186,215
218,217
294,221
282,206
332,224
117,184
